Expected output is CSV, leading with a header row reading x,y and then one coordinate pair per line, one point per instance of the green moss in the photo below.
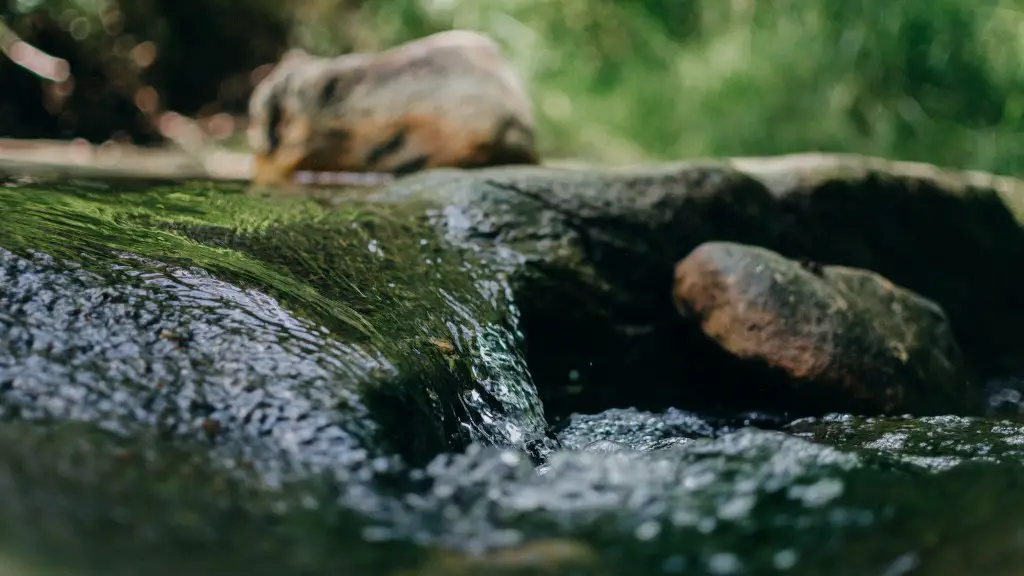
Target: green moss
x,y
375,275
72,225
323,261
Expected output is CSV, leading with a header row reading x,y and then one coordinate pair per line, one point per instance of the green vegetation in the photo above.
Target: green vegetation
x,y
618,81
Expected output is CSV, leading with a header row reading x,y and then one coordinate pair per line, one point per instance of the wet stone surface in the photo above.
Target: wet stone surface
x,y
467,375
244,326
834,338
931,442
180,352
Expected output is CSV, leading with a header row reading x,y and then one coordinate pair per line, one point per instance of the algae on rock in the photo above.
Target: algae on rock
x,y
221,302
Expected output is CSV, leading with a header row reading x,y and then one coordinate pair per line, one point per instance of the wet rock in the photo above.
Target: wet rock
x,y
303,331
764,501
842,339
933,443
448,99
153,347
598,247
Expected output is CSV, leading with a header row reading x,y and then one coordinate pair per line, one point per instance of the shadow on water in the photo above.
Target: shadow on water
x,y
193,379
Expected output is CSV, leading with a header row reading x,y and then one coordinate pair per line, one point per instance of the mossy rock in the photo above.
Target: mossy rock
x,y
206,381
210,313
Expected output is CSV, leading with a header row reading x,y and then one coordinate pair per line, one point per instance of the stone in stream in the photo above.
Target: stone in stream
x,y
250,324
842,339
196,380
599,248
448,99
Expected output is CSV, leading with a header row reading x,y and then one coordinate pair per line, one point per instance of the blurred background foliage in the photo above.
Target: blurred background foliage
x,y
614,81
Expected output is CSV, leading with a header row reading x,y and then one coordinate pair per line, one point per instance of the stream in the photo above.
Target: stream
x,y
195,379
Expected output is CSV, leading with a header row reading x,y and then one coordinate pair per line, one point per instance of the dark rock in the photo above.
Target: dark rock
x,y
598,248
75,496
843,339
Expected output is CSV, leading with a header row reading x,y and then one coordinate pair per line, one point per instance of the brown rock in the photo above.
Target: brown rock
x,y
843,339
445,100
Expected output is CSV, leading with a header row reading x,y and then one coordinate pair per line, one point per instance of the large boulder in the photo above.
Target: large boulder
x,y
839,339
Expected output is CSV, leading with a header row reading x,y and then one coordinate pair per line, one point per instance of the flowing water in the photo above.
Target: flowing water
x,y
192,379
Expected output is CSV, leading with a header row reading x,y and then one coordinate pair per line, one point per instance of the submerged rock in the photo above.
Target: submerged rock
x,y
843,339
756,501
933,442
748,502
